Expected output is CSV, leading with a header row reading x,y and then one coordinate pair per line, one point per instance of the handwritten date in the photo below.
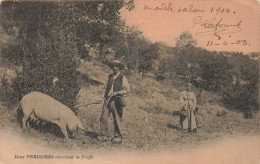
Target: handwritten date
x,y
227,43
168,6
219,10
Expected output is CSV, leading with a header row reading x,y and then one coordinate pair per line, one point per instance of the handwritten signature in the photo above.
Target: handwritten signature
x,y
163,7
214,26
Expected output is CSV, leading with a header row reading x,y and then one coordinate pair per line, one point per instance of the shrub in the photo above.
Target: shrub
x,y
58,80
6,93
44,49
241,97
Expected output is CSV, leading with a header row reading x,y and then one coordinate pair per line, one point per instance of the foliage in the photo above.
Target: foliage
x,y
148,55
233,76
215,72
185,39
244,92
50,36
138,53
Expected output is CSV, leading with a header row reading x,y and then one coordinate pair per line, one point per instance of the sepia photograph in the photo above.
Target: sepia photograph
x,y
129,81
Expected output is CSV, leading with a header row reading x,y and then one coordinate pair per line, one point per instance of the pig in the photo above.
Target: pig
x,y
37,105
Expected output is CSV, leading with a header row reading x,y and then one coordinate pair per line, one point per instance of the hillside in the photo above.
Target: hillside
x,y
147,121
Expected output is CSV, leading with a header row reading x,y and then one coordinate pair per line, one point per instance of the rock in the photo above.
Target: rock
x,y
221,113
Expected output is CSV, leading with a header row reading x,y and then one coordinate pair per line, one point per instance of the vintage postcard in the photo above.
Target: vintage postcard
x,y
129,81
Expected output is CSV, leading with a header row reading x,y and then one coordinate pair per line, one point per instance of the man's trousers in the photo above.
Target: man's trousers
x,y
114,106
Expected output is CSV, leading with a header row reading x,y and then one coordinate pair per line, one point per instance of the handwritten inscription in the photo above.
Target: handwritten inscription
x,y
187,9
190,9
162,7
227,43
169,7
219,10
215,26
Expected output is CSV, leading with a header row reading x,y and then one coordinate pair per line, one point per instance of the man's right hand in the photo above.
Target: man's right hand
x,y
113,94
110,95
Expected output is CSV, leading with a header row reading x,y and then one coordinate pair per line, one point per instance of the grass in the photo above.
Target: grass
x,y
147,121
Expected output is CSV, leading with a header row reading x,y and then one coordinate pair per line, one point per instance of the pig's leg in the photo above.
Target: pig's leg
x,y
33,118
25,118
63,128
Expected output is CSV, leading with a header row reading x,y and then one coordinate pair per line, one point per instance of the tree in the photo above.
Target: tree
x,y
147,57
243,93
43,48
50,36
215,72
184,63
185,40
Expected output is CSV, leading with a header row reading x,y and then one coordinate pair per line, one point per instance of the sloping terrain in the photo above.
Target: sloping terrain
x,y
147,121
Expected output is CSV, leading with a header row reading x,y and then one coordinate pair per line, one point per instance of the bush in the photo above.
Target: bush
x,y
241,97
6,95
44,49
58,80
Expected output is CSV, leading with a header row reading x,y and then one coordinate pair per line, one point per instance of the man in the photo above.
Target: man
x,y
117,88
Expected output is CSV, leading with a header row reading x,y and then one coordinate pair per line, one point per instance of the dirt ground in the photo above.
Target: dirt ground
x,y
144,130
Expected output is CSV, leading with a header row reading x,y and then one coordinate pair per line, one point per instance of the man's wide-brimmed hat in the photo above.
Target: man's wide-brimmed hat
x,y
116,63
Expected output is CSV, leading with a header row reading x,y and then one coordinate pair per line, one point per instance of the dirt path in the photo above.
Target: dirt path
x,y
243,150
158,133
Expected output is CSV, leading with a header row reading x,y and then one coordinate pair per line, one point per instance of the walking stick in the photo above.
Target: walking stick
x,y
113,110
96,102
